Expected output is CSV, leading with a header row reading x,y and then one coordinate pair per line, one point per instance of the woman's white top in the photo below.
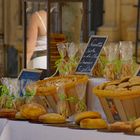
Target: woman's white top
x,y
41,45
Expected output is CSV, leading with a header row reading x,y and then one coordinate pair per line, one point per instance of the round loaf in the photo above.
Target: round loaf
x,y
137,131
120,127
86,114
93,123
32,111
136,123
52,118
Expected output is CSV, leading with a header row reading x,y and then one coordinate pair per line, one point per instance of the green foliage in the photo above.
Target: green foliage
x,y
66,67
29,93
6,100
61,66
62,97
103,60
4,90
132,118
118,63
80,104
72,99
9,102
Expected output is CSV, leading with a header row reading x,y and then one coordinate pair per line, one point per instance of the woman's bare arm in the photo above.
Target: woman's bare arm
x,y
32,34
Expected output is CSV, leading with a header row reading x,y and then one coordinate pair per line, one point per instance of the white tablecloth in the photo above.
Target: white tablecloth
x,y
2,124
16,130
92,100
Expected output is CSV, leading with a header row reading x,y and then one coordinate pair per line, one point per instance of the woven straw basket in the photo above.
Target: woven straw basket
x,y
71,86
119,105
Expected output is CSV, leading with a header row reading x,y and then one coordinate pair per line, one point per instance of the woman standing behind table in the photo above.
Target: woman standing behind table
x,y
37,33
37,40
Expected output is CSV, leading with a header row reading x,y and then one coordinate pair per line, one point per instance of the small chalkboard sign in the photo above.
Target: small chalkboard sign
x,y
91,54
27,76
138,72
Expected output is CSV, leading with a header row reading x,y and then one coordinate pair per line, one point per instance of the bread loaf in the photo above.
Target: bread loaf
x,y
120,127
52,118
86,114
32,111
93,123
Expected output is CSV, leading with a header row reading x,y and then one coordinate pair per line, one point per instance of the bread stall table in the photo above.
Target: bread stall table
x,y
22,130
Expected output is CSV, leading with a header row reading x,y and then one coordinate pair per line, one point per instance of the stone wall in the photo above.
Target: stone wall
x,y
1,40
119,20
1,59
11,21
1,16
9,28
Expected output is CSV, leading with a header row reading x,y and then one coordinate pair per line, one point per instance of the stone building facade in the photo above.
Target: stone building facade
x,y
119,20
119,23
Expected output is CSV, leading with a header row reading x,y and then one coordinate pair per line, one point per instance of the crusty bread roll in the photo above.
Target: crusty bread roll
x,y
52,118
120,127
32,111
7,113
136,123
86,114
137,131
93,123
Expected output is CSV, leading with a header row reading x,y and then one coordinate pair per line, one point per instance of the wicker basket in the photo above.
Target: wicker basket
x,y
119,105
72,86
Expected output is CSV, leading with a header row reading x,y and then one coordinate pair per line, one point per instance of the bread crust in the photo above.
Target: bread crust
x,y
136,123
93,123
32,111
52,118
137,131
120,127
86,114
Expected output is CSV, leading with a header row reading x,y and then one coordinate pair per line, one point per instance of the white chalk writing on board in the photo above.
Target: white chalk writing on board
x,y
91,54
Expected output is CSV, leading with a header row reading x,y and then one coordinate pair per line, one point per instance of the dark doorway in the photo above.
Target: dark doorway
x,y
96,14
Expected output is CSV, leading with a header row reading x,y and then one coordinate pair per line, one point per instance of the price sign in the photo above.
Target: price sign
x,y
91,54
26,77
33,75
